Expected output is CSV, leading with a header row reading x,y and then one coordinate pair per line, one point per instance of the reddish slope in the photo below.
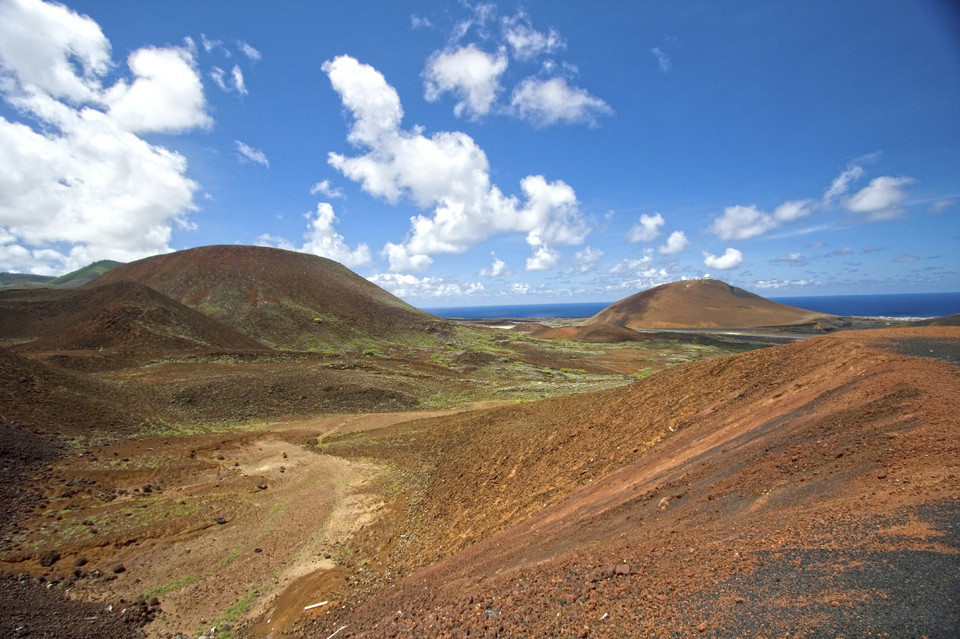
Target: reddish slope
x,y
47,399
700,304
276,296
826,471
120,316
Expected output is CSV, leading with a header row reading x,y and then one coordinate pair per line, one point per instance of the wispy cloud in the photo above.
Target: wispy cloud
x,y
325,188
663,60
940,206
420,22
473,71
411,287
232,82
248,51
793,259
525,41
250,154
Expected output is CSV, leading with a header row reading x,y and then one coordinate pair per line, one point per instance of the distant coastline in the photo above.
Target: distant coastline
x,y
898,305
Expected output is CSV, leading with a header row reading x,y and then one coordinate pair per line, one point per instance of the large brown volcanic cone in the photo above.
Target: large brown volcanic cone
x,y
281,298
700,304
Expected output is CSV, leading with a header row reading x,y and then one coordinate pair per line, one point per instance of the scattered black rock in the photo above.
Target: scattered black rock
x,y
221,520
49,558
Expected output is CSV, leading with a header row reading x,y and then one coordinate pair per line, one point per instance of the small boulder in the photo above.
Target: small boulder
x,y
49,558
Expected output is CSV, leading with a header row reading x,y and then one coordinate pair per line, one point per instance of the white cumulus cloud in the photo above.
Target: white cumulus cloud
x,y
447,173
78,183
553,101
498,268
882,199
543,259
469,73
743,222
59,52
647,229
166,96
731,258
676,243
323,239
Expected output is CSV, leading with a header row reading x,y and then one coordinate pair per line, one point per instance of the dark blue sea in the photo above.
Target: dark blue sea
x,y
901,305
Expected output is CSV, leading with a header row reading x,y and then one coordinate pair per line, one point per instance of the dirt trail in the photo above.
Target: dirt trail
x,y
216,526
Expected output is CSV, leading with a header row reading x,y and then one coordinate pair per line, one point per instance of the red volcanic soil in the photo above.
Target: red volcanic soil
x,y
811,489
281,298
700,304
36,396
122,316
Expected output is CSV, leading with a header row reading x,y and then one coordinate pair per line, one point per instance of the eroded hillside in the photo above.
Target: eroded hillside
x,y
680,503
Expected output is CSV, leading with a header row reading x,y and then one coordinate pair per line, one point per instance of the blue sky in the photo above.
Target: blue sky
x,y
474,153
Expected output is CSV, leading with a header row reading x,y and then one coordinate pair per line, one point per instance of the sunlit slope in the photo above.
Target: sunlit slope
x,y
700,304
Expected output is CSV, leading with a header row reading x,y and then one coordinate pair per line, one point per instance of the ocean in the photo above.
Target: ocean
x,y
899,305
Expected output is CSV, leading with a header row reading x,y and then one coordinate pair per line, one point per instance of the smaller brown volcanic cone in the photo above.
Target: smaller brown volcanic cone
x,y
122,316
700,304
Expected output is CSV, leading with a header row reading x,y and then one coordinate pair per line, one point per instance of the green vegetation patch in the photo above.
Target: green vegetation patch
x,y
170,586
